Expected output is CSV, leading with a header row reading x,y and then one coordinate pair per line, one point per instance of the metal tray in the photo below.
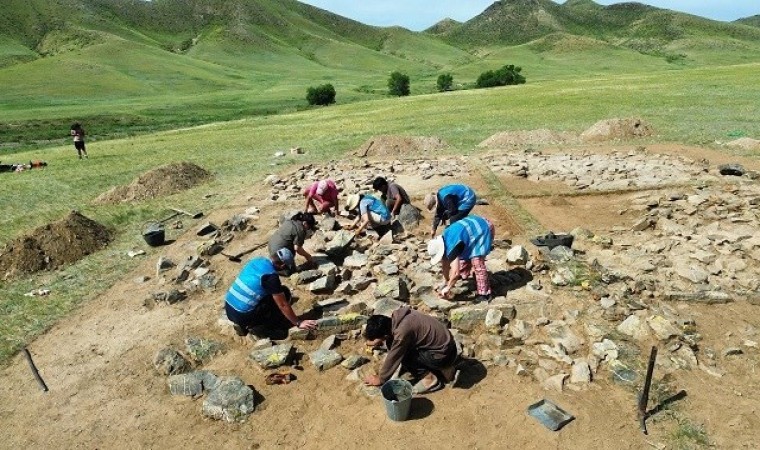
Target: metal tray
x,y
550,415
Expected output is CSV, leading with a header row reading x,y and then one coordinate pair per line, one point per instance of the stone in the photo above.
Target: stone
x,y
272,357
607,302
133,253
519,329
409,216
555,383
394,288
643,224
518,256
581,372
494,318
521,371
325,359
330,325
202,350
389,269
356,260
272,180
340,242
142,279
170,362
564,336
192,384
732,351
634,327
605,350
332,305
691,272
261,344
386,239
434,302
328,224
231,401
329,343
706,297
386,306
663,328
163,264
206,228
563,276
561,254
353,362
323,285
470,318
307,276
736,170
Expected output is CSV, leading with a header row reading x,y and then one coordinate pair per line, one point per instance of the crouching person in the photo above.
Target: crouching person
x,y
258,303
419,343
462,250
372,213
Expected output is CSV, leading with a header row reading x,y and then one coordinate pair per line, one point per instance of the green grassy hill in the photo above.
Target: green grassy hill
x,y
134,66
753,21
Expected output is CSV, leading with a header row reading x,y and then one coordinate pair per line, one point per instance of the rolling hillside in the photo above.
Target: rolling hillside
x,y
751,21
134,66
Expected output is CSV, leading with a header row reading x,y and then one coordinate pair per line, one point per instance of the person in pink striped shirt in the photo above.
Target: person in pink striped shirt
x,y
322,197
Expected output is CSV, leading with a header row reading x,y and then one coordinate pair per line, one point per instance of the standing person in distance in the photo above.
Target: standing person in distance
x,y
451,203
78,134
393,195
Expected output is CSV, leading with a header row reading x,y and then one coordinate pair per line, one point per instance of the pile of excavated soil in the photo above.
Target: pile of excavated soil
x,y
508,139
745,144
53,245
165,180
389,145
616,129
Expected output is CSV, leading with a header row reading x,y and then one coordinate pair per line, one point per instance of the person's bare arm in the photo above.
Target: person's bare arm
x,y
450,274
282,302
397,206
365,220
302,251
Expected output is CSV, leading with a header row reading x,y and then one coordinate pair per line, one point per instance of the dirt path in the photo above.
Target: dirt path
x,y
105,394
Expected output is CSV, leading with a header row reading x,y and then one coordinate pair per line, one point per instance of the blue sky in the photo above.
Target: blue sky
x,y
420,14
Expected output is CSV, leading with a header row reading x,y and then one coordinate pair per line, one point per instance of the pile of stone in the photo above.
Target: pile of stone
x,y
192,274
228,398
615,171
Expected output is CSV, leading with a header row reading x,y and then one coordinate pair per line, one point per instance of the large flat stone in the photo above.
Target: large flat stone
x,y
231,401
269,358
325,359
470,318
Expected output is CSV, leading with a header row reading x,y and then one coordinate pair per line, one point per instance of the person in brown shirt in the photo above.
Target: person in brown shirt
x,y
421,344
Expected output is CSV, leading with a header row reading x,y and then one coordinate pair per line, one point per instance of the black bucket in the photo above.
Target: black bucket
x,y
154,234
155,238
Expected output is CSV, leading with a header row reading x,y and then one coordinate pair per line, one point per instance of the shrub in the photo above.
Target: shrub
x,y
321,95
445,81
398,84
507,75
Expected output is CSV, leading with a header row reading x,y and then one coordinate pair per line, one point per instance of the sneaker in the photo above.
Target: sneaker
x,y
483,298
239,330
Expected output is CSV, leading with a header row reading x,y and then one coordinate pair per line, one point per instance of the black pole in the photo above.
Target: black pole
x,y
644,396
36,373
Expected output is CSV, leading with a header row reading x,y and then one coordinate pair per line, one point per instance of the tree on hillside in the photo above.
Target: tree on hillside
x,y
398,84
321,95
445,81
507,75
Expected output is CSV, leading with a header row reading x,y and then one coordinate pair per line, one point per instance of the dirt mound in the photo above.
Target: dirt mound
x,y
531,137
53,245
745,144
389,145
613,129
165,180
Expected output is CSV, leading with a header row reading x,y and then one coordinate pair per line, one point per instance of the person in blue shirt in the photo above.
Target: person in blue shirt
x,y
257,302
451,203
372,212
462,250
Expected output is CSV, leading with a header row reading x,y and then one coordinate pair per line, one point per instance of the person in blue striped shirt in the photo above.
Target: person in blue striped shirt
x,y
462,250
372,212
451,203
258,303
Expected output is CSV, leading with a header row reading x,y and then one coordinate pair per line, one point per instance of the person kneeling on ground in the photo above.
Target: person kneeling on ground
x,y
292,234
421,344
462,248
372,212
321,197
393,195
257,302
451,203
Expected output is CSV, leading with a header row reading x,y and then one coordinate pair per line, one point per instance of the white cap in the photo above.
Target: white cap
x,y
353,202
436,249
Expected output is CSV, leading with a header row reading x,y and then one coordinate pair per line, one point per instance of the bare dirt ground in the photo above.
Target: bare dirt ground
x,y
104,392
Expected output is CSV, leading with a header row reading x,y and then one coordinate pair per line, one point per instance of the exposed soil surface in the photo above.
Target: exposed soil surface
x,y
53,245
404,146
617,129
165,180
598,213
541,137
